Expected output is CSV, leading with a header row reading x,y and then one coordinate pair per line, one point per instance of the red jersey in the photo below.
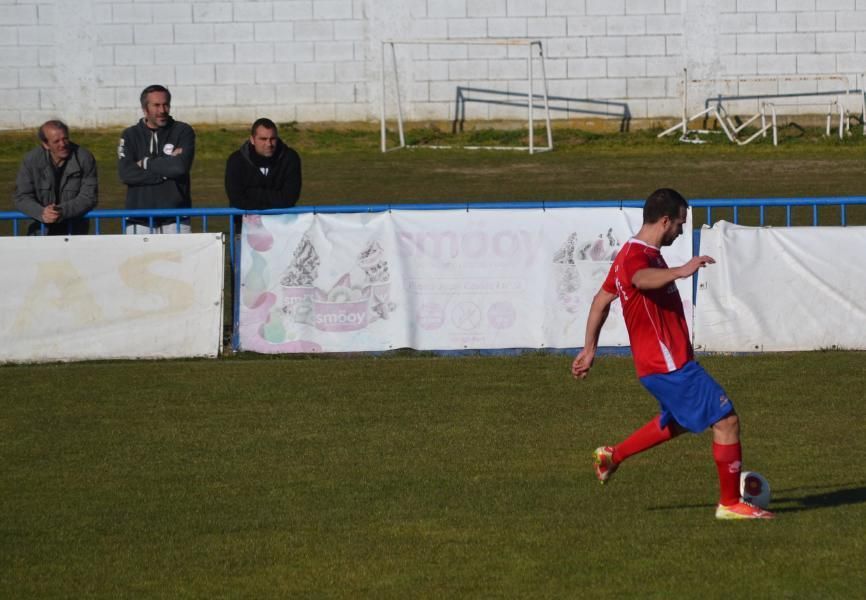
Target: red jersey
x,y
656,323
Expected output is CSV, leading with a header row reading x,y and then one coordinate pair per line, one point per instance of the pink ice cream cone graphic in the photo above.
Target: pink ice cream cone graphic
x,y
258,237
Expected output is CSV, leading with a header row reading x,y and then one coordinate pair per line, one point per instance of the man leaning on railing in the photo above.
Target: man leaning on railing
x,y
57,183
264,172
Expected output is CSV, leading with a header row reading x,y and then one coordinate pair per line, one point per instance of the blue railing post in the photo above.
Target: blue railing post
x,y
236,298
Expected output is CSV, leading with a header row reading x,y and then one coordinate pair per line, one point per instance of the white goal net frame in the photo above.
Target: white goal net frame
x,y
831,92
531,96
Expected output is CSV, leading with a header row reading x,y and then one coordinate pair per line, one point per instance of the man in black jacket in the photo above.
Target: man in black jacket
x,y
264,173
154,159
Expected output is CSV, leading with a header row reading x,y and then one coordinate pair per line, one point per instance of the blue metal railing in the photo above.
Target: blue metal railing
x,y
97,217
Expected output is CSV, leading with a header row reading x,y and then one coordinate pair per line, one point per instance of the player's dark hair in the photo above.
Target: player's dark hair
x,y
663,202
52,124
149,90
262,122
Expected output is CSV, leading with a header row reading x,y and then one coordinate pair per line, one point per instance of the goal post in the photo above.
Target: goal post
x,y
534,51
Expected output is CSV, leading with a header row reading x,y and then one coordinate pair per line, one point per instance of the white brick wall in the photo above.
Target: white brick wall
x,y
234,60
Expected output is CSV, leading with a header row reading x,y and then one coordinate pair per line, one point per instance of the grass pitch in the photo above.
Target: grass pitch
x,y
431,477
418,477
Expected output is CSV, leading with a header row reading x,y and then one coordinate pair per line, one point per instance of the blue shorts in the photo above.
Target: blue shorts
x,y
689,396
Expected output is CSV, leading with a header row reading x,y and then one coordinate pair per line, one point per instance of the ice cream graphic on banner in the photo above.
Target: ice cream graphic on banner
x,y
570,255
349,306
342,308
262,327
568,277
372,262
298,281
258,237
292,289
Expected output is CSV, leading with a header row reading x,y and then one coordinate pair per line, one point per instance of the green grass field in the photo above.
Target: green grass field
x,y
418,477
428,477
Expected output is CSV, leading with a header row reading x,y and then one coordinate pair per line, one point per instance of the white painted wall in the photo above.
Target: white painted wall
x,y
86,61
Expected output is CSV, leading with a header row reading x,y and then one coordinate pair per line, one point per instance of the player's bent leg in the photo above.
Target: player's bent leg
x,y
608,458
727,454
647,436
727,429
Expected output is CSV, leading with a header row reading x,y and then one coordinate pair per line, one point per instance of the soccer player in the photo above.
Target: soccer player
x,y
689,398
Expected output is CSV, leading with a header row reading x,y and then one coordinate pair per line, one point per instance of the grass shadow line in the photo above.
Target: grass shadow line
x,y
843,496
840,496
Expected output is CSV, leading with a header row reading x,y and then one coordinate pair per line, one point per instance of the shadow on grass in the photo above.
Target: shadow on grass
x,y
807,501
811,501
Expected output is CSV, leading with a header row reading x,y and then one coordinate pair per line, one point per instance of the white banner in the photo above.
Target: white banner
x,y
432,280
110,296
793,288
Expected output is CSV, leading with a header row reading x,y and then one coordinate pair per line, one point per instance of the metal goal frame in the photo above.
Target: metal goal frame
x,y
531,96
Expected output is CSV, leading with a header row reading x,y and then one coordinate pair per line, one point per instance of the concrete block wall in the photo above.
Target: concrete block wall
x,y
229,61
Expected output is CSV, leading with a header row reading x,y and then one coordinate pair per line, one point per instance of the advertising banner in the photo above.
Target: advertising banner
x,y
777,289
432,279
110,296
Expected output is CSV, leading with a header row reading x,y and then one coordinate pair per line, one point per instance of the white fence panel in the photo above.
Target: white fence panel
x,y
797,288
110,296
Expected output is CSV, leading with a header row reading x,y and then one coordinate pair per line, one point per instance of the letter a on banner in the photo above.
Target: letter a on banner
x,y
58,288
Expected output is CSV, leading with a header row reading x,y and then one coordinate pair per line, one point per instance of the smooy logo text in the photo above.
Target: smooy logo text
x,y
510,245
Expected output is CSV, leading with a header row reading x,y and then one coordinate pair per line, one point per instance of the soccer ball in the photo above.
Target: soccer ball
x,y
755,489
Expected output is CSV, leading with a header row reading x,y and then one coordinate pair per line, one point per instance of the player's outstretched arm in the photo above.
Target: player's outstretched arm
x,y
653,279
696,263
598,313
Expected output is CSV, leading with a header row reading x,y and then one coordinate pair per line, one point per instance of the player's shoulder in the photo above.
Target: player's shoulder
x,y
631,248
635,255
635,247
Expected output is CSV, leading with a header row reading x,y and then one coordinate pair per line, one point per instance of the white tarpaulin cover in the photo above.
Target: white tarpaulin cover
x,y
432,280
110,296
792,288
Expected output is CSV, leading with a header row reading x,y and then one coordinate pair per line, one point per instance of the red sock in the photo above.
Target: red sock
x,y
728,459
644,438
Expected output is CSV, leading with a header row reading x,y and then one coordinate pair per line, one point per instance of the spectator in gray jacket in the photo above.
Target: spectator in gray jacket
x,y
154,159
56,184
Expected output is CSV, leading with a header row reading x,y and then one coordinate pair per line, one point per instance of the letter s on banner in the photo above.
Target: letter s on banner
x,y
179,295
